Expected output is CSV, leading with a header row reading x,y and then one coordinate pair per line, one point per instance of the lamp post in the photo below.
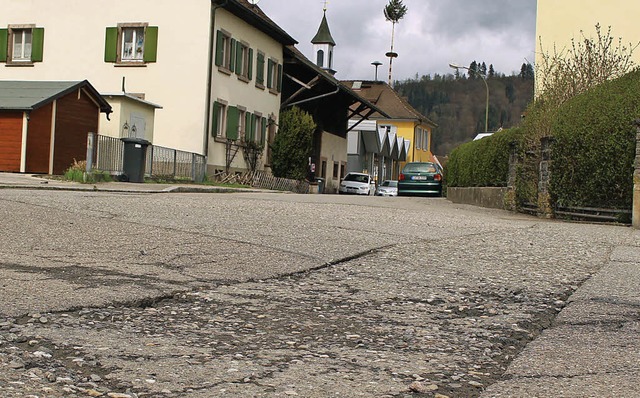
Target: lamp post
x,y
376,64
484,79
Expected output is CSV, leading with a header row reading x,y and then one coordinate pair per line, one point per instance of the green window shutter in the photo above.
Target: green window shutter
x,y
4,44
270,73
232,57
260,67
37,44
232,123
215,118
111,45
239,65
150,44
219,48
250,65
253,126
279,85
263,134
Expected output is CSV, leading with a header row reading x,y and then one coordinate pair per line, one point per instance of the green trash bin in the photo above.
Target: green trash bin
x,y
134,159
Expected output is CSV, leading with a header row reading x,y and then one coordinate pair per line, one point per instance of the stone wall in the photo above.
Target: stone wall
x,y
492,197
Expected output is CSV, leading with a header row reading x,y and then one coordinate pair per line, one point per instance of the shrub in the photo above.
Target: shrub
x,y
484,162
292,145
77,172
594,147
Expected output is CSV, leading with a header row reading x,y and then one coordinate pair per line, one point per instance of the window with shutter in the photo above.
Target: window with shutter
x,y
21,44
131,43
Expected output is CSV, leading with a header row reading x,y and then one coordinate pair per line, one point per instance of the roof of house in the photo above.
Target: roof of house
x,y
133,98
30,95
324,34
387,99
253,15
300,58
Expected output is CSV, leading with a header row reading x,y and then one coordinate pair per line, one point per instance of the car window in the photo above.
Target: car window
x,y
420,168
356,178
393,184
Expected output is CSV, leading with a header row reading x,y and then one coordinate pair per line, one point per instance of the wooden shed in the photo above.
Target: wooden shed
x,y
44,125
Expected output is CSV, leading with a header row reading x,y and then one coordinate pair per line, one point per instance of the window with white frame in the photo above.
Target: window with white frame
x,y
132,44
259,131
244,61
418,138
21,45
225,51
274,76
219,126
242,126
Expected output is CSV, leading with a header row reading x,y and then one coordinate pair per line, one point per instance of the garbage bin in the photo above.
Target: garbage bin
x,y
320,182
134,158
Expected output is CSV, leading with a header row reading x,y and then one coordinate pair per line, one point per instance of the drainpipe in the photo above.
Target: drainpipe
x,y
210,59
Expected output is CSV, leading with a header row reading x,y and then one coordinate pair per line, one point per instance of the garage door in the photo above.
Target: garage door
x,y
10,141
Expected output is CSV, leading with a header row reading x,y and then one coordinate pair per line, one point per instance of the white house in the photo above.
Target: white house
x,y
215,67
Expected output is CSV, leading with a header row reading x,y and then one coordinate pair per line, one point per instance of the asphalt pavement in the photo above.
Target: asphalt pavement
x,y
126,246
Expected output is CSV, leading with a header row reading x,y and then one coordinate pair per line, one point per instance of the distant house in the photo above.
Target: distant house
x,y
558,22
382,145
44,125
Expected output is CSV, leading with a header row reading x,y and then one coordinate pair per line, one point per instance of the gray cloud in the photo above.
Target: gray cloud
x,y
432,34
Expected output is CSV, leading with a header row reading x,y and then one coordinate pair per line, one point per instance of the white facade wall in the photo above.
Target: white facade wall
x,y
227,88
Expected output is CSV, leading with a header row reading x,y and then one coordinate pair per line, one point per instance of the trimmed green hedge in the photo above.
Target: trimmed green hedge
x,y
482,163
594,148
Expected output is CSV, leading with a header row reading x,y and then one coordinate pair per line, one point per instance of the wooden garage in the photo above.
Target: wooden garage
x,y
44,125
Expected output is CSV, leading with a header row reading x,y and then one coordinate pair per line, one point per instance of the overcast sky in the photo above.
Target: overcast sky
x,y
433,34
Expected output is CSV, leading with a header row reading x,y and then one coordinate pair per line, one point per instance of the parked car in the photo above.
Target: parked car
x,y
420,178
387,188
356,183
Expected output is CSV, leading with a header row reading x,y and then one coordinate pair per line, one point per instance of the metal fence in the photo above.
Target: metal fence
x,y
160,161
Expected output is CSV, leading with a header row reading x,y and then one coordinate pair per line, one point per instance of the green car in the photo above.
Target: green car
x,y
420,178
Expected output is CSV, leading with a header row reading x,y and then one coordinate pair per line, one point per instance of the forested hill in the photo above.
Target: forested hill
x,y
457,103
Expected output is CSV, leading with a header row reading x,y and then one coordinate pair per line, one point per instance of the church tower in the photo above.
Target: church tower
x,y
323,45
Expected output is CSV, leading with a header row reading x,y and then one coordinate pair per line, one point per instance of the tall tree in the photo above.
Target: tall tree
x,y
492,72
394,12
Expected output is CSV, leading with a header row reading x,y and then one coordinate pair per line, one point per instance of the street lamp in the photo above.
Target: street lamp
x,y
484,79
376,64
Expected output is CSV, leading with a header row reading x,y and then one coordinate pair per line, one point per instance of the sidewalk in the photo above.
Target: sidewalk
x,y
31,181
593,347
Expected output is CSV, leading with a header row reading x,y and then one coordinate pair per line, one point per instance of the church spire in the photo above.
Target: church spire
x,y
323,45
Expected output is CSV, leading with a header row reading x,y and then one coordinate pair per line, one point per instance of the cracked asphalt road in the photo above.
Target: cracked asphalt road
x,y
268,295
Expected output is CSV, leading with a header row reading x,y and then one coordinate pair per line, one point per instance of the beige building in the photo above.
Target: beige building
x,y
214,67
559,21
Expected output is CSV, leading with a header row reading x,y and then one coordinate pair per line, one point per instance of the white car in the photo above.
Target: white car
x,y
387,188
357,184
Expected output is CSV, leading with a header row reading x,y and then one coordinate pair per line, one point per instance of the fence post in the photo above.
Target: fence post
x,y
545,207
175,162
510,195
91,139
635,211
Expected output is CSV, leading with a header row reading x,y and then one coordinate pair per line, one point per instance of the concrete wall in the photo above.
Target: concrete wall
x,y
492,197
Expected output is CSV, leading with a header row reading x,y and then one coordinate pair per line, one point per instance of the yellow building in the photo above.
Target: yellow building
x,y
560,21
383,145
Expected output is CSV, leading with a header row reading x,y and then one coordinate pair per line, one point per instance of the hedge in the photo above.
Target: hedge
x,y
594,148
482,163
